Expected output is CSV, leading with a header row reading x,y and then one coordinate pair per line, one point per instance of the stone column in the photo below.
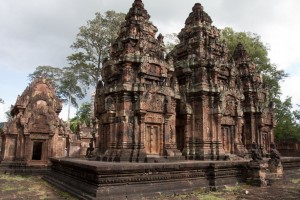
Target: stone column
x,y
187,136
28,148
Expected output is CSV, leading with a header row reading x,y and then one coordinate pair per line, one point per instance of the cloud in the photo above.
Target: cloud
x,y
35,32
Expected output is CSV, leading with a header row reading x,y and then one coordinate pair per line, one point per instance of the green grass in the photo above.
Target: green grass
x,y
210,196
30,186
295,181
13,177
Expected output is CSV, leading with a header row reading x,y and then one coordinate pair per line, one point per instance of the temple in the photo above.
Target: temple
x,y
35,132
198,102
136,107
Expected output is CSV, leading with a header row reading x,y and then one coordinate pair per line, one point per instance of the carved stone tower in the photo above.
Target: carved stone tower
x,y
258,110
136,105
199,59
35,133
224,106
200,102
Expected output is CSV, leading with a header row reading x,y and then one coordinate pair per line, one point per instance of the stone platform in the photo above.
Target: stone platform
x,y
21,168
88,179
106,180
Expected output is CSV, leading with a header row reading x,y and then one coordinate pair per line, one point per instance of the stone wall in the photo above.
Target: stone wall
x,y
289,148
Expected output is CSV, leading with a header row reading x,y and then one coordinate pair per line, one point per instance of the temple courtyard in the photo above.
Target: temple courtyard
x,y
34,187
197,123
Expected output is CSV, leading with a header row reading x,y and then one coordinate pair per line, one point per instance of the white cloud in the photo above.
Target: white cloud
x,y
290,89
3,109
35,32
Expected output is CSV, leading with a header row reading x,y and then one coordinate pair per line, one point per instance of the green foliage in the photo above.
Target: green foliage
x,y
69,88
287,127
8,115
92,45
83,115
53,74
64,80
258,52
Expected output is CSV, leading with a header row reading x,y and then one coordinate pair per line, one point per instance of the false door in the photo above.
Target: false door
x,y
228,138
152,139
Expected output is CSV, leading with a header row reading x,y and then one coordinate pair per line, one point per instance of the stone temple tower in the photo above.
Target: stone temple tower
x,y
135,104
198,101
224,107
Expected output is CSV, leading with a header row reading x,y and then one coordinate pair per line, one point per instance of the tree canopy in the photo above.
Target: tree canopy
x,y
1,100
92,46
83,115
288,127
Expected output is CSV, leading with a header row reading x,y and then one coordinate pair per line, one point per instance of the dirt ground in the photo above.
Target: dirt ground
x,y
34,187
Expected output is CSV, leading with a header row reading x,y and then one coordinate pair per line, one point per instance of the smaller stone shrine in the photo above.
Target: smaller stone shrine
x,y
84,135
35,131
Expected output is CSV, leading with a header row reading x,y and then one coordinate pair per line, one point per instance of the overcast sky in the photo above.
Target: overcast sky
x,y
40,32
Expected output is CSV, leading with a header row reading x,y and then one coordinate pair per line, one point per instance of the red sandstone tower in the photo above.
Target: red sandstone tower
x,y
136,105
200,102
35,133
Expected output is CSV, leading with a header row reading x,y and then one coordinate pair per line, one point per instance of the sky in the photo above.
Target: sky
x,y
40,32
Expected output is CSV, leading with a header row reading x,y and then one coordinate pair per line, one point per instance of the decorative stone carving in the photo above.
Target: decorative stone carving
x,y
35,131
222,96
255,153
142,98
275,165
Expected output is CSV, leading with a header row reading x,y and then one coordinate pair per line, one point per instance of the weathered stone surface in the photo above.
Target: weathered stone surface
x,y
198,102
228,102
35,132
275,165
289,148
257,174
105,180
136,105
84,136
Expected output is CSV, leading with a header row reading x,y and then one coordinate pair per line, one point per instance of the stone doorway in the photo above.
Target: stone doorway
x,y
228,138
37,150
153,139
180,139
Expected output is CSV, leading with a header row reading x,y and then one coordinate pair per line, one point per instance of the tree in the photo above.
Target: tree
x,y
53,74
171,40
1,101
287,127
69,90
8,115
65,82
92,45
258,52
83,115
